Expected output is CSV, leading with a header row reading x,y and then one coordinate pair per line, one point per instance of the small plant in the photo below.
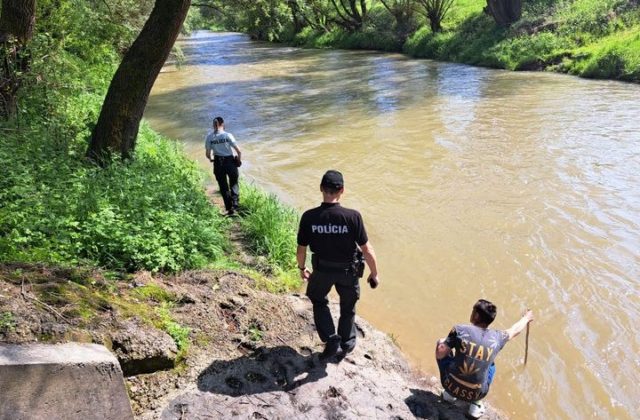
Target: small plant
x,y
255,332
394,339
7,322
179,333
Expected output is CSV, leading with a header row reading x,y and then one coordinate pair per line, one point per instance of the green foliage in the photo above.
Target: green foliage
x,y
405,16
7,322
155,293
616,56
150,213
435,11
268,20
367,39
254,332
269,226
531,52
179,333
592,38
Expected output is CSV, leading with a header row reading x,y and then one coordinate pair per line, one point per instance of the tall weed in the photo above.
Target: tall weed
x,y
269,226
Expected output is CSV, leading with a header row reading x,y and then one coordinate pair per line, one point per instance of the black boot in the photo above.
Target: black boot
x,y
331,347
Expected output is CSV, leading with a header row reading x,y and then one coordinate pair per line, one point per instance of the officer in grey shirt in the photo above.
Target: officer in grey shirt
x,y
225,166
466,357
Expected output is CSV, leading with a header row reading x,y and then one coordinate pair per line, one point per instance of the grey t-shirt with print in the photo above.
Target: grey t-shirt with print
x,y
475,350
220,143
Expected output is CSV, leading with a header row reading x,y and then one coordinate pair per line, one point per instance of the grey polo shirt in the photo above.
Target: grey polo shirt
x,y
220,143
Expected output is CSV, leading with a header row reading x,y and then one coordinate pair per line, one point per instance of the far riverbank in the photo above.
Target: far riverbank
x,y
591,39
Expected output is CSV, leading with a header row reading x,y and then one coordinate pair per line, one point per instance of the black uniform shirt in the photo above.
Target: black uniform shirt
x,y
332,232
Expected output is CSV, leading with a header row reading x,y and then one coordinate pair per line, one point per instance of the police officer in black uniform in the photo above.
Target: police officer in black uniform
x,y
339,243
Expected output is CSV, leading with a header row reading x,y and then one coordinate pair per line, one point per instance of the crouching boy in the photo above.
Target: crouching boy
x,y
466,357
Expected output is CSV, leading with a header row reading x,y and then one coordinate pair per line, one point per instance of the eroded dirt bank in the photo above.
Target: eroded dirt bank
x,y
238,351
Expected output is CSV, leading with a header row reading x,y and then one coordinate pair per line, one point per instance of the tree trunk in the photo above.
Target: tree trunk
x,y
296,16
505,12
119,121
435,25
17,20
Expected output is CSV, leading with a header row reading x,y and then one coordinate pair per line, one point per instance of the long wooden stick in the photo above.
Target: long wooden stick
x,y
526,346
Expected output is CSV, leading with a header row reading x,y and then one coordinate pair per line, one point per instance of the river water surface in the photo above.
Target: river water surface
x,y
522,188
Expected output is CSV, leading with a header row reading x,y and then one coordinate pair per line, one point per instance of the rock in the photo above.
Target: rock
x,y
237,301
142,349
142,278
186,299
65,381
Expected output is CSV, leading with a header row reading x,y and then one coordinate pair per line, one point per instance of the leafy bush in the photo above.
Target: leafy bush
x,y
367,39
150,213
7,322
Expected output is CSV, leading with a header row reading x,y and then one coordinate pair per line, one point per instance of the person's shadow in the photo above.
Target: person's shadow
x,y
427,405
266,369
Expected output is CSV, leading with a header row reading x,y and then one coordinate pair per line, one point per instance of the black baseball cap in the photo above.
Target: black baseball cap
x,y
333,179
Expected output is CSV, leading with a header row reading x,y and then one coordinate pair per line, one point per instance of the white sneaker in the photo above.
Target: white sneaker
x,y
448,397
476,409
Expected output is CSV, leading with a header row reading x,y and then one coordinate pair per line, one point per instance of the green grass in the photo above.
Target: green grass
x,y
368,39
150,213
590,38
155,293
269,226
179,333
55,207
616,56
7,322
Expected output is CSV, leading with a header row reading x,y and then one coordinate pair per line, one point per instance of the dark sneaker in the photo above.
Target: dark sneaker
x,y
330,348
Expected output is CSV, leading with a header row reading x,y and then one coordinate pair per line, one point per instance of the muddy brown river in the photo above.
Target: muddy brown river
x,y
522,188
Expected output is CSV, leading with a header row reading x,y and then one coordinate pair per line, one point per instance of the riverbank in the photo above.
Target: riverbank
x,y
592,39
215,341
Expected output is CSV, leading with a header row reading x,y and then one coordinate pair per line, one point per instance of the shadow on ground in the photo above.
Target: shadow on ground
x,y
266,369
427,405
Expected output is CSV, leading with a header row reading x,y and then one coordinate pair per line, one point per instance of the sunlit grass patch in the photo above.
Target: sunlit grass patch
x,y
269,226
616,56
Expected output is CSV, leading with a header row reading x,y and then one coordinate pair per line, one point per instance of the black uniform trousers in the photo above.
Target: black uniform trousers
x,y
226,173
348,288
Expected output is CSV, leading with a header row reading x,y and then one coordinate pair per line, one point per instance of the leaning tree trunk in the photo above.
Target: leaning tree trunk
x,y
504,12
119,120
16,29
296,16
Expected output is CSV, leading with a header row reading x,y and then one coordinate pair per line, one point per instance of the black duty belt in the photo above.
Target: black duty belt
x,y
222,158
326,265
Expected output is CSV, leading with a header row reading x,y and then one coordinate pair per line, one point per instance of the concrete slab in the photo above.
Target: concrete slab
x,y
62,381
